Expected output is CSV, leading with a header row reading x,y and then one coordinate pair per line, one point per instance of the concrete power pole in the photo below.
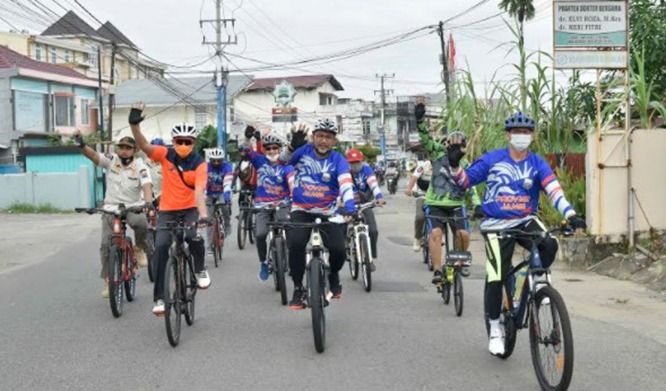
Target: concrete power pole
x,y
445,62
221,75
382,124
112,96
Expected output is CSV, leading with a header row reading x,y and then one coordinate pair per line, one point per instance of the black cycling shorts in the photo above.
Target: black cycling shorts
x,y
444,212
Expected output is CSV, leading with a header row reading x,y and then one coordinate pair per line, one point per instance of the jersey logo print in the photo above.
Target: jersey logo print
x,y
500,178
268,175
308,167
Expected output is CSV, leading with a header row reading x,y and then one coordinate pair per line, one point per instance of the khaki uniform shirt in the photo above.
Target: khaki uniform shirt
x,y
124,184
156,176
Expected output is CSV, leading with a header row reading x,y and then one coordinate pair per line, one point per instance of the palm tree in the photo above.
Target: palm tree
x,y
521,10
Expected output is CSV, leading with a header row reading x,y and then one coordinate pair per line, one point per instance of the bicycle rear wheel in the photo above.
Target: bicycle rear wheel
x,y
281,268
216,241
115,275
551,341
365,262
172,300
458,292
250,226
189,283
316,299
130,282
241,233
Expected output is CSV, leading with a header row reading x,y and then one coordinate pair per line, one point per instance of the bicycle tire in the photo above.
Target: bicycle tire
x,y
280,268
365,262
353,260
316,300
130,283
446,290
172,301
565,357
115,277
152,235
458,293
249,225
189,284
241,233
216,244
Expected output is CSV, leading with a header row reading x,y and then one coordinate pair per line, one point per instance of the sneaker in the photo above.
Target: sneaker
x,y
437,277
373,268
416,245
496,341
263,272
465,271
203,279
298,300
105,290
141,258
336,292
335,286
158,308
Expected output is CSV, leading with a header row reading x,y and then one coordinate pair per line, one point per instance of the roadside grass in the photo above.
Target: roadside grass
x,y
25,208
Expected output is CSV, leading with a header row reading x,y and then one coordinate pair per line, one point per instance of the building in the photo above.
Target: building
x,y
39,99
315,98
357,118
172,100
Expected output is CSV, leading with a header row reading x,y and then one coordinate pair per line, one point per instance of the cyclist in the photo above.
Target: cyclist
x,y
184,184
322,175
366,188
514,178
127,179
220,178
275,185
443,198
421,179
156,173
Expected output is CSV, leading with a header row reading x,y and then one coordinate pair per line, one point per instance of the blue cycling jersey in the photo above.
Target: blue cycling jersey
x,y
319,181
219,181
274,181
365,183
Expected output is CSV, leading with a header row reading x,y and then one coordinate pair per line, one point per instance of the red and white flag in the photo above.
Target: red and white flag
x,y
452,54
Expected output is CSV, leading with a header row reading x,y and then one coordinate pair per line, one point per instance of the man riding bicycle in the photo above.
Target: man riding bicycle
x,y
127,179
421,179
184,176
322,175
275,183
443,199
514,178
366,189
220,178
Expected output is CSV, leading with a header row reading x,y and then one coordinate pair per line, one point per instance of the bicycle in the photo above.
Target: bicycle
x,y
454,262
245,219
180,282
522,302
219,230
122,264
277,257
358,246
425,236
317,269
152,240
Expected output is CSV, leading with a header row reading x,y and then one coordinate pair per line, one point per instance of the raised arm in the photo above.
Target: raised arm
x,y
88,152
135,118
431,146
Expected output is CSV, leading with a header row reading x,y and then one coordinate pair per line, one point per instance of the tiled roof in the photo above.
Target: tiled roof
x,y
110,32
11,59
71,24
307,81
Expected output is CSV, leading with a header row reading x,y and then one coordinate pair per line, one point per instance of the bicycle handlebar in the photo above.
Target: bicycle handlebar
x,y
519,233
121,211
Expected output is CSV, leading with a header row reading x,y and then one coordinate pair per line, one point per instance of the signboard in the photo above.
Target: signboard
x,y
285,114
590,34
583,59
590,24
284,93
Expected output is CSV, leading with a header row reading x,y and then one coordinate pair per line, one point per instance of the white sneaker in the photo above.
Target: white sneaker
x,y
105,290
496,341
158,308
416,245
141,259
203,279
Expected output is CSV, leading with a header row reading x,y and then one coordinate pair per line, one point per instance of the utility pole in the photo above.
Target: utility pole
x,y
112,96
100,117
221,75
383,91
445,61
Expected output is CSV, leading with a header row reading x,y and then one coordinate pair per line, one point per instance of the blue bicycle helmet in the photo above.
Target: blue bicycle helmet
x,y
157,141
519,120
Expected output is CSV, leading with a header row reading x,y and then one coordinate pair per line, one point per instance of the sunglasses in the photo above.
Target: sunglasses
x,y
271,148
182,141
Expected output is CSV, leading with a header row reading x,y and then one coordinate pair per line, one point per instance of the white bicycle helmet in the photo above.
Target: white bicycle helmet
x,y
183,129
216,153
326,125
272,138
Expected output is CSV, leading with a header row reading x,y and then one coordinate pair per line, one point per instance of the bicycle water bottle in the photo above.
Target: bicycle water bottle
x,y
520,276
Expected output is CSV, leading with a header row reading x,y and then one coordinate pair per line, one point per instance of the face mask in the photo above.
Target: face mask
x,y
356,167
216,164
126,160
183,150
520,142
272,158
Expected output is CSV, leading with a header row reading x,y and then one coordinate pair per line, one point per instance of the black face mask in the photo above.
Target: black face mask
x,y
216,164
126,160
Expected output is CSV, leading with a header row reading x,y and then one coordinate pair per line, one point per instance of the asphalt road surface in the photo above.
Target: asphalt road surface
x,y
57,333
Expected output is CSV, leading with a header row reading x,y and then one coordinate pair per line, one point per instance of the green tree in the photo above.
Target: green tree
x,y
207,138
648,30
370,152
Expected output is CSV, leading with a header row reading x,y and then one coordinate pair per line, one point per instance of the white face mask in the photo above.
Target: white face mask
x,y
520,142
273,158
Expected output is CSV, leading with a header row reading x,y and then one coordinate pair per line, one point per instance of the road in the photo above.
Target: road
x,y
57,333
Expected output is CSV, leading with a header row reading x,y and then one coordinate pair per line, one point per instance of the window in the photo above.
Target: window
x,y
64,110
38,52
67,56
326,99
366,126
30,111
200,117
338,120
85,112
232,114
53,55
93,59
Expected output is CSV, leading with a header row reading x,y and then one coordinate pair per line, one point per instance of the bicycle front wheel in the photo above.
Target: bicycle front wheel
x,y
130,280
365,262
189,284
458,292
172,300
241,233
281,268
250,226
551,341
115,280
316,299
353,259
216,242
